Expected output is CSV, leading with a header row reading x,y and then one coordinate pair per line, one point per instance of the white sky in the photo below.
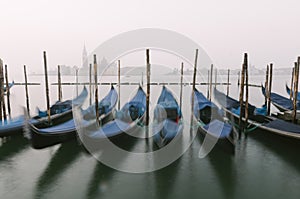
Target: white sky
x,y
268,30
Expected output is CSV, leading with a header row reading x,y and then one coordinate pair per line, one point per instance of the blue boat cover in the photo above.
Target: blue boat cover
x,y
15,124
67,126
170,129
166,114
218,129
277,124
226,101
281,101
261,111
12,124
89,113
60,107
137,106
201,101
123,121
234,105
105,105
167,100
283,126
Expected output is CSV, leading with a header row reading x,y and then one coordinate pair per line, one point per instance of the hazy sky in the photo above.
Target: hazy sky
x,y
267,29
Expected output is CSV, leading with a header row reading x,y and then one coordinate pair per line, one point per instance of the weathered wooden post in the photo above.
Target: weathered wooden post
x,y
208,85
96,90
270,89
292,81
241,98
228,74
239,77
266,86
2,92
119,83
296,90
181,82
210,81
90,83
59,83
76,74
216,77
247,91
47,87
26,91
148,86
194,84
7,92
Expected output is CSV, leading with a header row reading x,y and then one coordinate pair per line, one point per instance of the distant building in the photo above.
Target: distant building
x,y
85,61
65,70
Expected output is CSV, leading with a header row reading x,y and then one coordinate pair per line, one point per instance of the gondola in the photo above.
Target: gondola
x,y
280,102
127,121
288,90
211,122
257,119
167,121
55,134
58,115
64,106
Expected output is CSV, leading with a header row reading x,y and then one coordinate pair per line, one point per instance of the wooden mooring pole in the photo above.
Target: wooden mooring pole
x,y
2,92
194,86
239,77
270,89
241,98
119,83
181,82
90,83
292,81
96,90
7,92
216,77
208,85
148,86
59,83
266,86
210,81
247,90
47,87
76,74
26,91
228,74
296,90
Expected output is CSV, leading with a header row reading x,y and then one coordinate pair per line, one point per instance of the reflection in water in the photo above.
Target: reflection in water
x,y
62,159
263,166
102,173
12,146
222,163
165,179
283,147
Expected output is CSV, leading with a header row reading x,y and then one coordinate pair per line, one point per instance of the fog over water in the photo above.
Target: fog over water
x,y
266,29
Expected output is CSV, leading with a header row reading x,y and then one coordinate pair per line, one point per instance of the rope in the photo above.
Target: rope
x,y
248,128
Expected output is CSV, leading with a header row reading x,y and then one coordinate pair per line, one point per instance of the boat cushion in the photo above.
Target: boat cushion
x,y
218,128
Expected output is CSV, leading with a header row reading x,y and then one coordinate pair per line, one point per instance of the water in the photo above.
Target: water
x,y
264,166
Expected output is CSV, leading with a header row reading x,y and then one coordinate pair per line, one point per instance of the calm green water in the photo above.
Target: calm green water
x,y
264,166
